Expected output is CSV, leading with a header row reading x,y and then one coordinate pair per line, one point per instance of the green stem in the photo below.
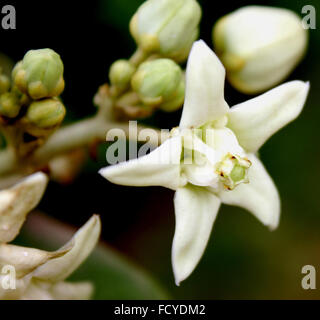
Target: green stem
x,y
138,57
66,139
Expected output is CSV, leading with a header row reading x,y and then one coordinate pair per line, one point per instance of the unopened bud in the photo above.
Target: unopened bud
x,y
9,105
120,74
46,113
39,74
259,46
166,27
157,82
24,99
176,101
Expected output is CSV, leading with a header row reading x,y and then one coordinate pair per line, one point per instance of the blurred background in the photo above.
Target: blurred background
x,y
243,260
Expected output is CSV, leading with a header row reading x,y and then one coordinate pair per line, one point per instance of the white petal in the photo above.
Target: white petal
x,y
160,167
255,120
196,209
37,291
25,260
21,285
191,142
17,202
259,196
224,141
40,290
198,161
205,76
72,291
82,243
201,175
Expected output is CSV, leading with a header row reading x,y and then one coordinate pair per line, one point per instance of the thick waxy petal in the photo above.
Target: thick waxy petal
x,y
21,285
196,209
201,175
17,202
259,196
198,161
204,100
72,291
223,141
81,244
255,120
25,260
160,167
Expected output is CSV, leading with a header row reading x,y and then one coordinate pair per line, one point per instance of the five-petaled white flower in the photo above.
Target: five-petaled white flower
x,y
220,167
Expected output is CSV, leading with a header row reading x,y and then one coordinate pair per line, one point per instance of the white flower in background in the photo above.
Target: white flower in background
x,y
17,201
41,274
259,46
211,158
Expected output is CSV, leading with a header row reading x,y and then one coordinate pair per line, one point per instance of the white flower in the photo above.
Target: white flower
x,y
40,274
259,46
210,167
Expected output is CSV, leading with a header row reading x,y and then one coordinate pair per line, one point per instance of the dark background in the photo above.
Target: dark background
x,y
243,259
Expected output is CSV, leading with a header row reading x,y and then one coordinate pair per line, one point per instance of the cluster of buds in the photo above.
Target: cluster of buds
x,y
30,102
164,31
38,274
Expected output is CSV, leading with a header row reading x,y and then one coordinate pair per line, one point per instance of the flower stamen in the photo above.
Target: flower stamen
x,y
233,170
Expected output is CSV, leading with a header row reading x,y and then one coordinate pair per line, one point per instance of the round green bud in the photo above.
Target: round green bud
x,y
120,74
39,74
9,105
157,81
24,99
45,114
166,27
4,83
177,100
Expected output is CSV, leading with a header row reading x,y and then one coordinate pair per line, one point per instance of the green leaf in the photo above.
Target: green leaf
x,y
113,275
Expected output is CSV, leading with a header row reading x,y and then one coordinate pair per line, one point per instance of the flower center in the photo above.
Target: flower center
x,y
233,170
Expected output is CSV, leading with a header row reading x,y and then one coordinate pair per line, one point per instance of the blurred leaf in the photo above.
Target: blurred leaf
x,y
113,276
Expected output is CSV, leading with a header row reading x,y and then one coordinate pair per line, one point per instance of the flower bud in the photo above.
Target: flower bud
x,y
259,46
39,74
176,101
9,105
24,99
157,82
120,74
46,113
166,27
